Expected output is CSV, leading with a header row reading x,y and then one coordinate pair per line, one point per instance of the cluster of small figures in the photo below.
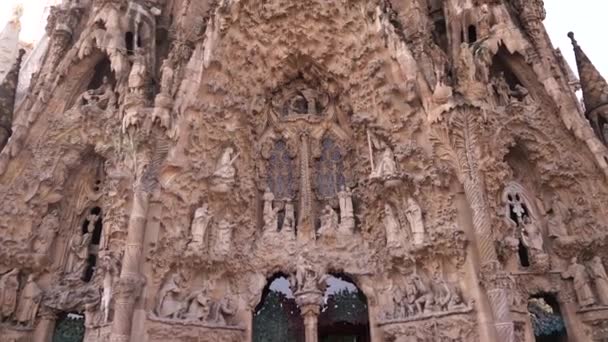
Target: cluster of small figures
x,y
417,299
196,307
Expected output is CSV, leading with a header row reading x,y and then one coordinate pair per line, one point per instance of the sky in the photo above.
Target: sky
x,y
582,17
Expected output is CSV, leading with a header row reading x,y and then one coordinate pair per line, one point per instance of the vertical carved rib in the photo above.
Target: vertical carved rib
x,y
131,281
457,146
306,228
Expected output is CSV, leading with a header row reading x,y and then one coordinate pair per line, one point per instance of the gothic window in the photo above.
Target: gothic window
x,y
277,318
344,315
330,169
547,322
280,172
69,328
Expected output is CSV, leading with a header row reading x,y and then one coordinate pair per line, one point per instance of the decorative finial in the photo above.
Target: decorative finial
x,y
571,36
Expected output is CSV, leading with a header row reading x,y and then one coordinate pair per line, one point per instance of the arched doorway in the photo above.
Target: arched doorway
x,y
547,321
277,317
344,314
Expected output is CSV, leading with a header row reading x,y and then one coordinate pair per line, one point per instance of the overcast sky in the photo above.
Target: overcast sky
x,y
581,16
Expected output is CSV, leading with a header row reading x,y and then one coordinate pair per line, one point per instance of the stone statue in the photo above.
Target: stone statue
x,y
167,74
30,298
466,64
411,294
9,285
598,273
308,279
225,172
483,61
138,74
46,233
329,221
109,268
79,248
202,218
271,218
580,276
199,306
557,218
222,311
347,216
393,228
425,301
102,97
522,93
414,217
169,304
443,293
224,235
531,235
290,218
385,166
502,89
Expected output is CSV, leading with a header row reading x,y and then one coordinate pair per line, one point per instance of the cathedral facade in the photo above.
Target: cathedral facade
x,y
311,170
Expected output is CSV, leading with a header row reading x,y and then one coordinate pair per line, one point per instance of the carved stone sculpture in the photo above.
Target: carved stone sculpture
x,y
392,227
108,267
224,235
79,248
502,89
29,300
414,217
138,76
169,304
271,219
289,221
598,274
557,219
329,222
531,235
222,312
9,286
46,233
581,279
198,306
347,215
102,98
385,165
200,223
225,172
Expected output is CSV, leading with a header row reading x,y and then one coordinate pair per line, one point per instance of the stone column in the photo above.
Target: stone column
x,y
45,327
131,282
306,227
457,144
309,303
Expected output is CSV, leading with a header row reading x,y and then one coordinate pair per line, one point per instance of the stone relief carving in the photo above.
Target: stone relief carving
x,y
29,301
198,231
79,249
223,177
102,98
47,231
9,288
196,306
600,279
414,217
582,283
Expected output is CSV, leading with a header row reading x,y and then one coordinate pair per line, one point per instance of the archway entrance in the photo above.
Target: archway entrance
x,y
344,314
277,317
547,321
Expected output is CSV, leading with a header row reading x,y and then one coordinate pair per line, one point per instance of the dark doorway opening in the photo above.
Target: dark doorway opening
x,y
277,316
344,315
69,328
547,321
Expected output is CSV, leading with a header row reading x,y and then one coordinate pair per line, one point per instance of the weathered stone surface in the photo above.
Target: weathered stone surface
x,y
174,158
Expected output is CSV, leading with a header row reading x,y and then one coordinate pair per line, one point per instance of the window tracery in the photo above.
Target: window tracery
x,y
329,169
281,171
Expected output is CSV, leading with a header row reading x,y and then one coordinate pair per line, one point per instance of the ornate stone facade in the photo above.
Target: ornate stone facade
x,y
176,159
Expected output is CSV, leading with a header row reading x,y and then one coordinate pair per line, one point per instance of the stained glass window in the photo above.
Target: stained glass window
x,y
280,172
330,169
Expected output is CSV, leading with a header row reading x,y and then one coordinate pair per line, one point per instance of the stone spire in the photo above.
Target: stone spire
x,y
8,88
595,88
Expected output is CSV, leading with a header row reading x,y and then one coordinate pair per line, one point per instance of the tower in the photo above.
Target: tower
x,y
304,171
